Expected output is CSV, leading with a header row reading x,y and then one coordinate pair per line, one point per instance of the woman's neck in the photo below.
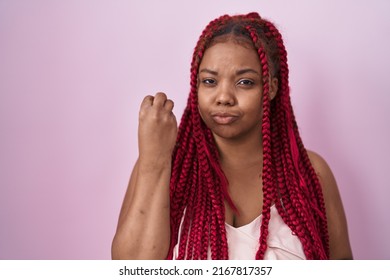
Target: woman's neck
x,y
240,153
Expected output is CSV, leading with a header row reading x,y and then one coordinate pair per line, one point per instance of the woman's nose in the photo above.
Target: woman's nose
x,y
225,95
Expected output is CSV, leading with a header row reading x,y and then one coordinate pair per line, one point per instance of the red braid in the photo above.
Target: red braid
x,y
198,186
308,190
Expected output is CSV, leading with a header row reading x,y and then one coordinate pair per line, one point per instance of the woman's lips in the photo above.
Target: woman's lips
x,y
224,118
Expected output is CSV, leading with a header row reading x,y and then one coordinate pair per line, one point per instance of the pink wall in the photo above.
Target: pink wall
x,y
72,74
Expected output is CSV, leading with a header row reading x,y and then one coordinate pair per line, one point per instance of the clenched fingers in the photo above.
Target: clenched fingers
x,y
160,100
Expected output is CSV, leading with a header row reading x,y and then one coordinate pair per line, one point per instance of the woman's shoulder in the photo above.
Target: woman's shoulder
x,y
323,170
318,162
337,224
324,174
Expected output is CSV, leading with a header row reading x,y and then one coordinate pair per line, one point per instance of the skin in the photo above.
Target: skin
x,y
230,94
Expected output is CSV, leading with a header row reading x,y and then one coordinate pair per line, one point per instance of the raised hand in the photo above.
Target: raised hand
x,y
144,223
157,129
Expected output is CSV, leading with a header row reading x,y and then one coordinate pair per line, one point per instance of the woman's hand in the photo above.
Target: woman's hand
x,y
157,129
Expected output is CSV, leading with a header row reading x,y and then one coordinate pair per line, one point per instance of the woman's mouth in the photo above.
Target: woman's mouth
x,y
224,118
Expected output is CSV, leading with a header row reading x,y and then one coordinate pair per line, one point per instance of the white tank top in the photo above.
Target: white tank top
x,y
243,242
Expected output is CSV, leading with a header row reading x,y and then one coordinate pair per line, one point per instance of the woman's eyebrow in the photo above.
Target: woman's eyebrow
x,y
205,70
247,70
238,72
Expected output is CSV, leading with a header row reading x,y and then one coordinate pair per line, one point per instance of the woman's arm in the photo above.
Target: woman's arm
x,y
143,230
340,247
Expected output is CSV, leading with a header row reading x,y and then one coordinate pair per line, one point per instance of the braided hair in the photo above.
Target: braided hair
x,y
198,186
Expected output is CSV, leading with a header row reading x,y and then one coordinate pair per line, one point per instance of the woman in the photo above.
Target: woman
x,y
234,181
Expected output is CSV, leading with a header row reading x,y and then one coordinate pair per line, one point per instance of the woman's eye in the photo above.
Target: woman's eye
x,y
245,82
209,81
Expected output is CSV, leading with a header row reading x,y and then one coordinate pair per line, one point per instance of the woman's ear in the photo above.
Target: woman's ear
x,y
273,88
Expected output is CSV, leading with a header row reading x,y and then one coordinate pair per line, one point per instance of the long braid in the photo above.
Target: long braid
x,y
302,166
198,186
267,177
196,236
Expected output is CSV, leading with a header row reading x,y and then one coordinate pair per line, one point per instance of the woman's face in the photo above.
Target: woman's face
x,y
230,90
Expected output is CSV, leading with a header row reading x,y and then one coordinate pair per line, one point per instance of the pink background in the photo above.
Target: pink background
x,y
72,75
